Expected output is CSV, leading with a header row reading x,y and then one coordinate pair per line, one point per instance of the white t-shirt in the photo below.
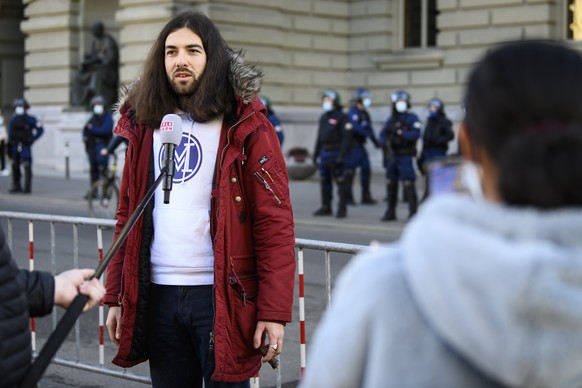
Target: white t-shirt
x,y
181,251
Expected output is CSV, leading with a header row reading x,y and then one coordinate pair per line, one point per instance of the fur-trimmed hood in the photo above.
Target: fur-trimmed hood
x,y
245,78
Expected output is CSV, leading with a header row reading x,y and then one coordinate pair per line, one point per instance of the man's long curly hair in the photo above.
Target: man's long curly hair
x,y
152,96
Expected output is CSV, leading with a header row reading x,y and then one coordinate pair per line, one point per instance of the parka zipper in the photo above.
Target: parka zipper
x,y
211,340
268,187
228,136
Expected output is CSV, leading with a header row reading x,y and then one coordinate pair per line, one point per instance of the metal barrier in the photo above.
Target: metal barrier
x,y
100,224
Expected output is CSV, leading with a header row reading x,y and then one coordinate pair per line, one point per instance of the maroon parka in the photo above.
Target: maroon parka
x,y
252,228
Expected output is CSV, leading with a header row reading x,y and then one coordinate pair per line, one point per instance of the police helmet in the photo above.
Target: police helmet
x,y
20,102
360,94
266,102
97,100
437,103
334,95
400,95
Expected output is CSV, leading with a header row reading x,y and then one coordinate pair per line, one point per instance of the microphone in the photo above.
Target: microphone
x,y
170,136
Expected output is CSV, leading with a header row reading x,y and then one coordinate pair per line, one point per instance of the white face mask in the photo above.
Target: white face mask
x,y
367,102
472,177
98,109
19,110
327,106
401,106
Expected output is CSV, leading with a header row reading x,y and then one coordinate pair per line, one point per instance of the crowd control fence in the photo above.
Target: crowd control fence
x,y
33,237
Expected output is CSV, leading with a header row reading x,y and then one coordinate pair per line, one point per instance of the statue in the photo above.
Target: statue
x,y
99,72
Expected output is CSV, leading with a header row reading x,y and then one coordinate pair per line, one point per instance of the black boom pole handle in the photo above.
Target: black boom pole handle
x,y
54,342
68,320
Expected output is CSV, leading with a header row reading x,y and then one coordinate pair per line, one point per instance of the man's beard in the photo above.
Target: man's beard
x,y
184,88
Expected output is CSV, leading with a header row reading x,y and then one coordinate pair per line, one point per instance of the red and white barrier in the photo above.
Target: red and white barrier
x,y
301,310
31,268
101,310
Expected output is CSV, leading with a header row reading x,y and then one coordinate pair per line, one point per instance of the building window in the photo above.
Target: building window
x,y
420,23
574,20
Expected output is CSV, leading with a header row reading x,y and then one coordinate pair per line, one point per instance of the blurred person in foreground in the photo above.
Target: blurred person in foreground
x,y
25,294
204,283
479,292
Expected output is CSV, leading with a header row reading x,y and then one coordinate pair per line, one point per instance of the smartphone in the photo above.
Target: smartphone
x,y
453,175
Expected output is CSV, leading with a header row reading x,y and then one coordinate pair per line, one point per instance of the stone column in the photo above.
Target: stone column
x,y
51,46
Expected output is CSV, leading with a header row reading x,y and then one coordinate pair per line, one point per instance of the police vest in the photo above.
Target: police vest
x,y
21,131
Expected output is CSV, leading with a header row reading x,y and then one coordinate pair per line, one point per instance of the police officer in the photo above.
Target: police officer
x,y
333,142
399,137
96,135
273,118
438,132
358,156
23,130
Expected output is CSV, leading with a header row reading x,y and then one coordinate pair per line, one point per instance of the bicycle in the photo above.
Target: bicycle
x,y
103,196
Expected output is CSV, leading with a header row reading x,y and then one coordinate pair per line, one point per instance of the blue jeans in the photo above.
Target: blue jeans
x,y
180,322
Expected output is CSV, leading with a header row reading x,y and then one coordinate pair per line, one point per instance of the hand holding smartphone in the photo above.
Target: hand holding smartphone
x,y
454,175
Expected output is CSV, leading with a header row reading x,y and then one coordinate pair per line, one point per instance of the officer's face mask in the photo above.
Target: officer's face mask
x,y
98,109
401,106
327,106
366,102
433,110
19,110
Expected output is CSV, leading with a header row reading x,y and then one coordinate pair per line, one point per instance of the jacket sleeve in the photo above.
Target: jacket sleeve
x,y
272,225
317,148
446,132
357,127
38,130
40,291
38,287
114,269
414,126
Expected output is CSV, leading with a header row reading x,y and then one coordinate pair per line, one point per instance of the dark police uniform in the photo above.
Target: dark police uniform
x,y
97,134
357,157
435,142
332,145
399,137
23,130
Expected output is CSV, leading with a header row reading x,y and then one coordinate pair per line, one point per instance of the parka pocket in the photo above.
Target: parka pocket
x,y
243,278
243,282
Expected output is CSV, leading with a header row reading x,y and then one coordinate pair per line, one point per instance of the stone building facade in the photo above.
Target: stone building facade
x,y
425,47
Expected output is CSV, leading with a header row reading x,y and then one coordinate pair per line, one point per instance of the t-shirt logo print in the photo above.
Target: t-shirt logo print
x,y
188,158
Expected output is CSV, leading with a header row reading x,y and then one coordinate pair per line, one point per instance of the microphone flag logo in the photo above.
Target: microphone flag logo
x,y
167,126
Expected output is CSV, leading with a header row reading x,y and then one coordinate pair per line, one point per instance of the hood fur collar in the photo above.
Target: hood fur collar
x,y
245,78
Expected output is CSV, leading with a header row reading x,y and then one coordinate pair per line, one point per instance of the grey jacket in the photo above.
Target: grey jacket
x,y
475,294
22,294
